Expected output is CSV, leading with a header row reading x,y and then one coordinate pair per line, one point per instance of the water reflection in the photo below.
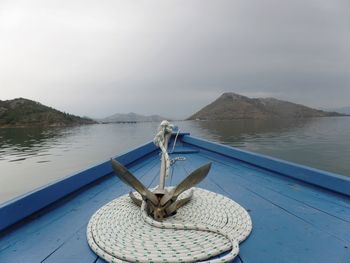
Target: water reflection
x,y
18,144
32,157
322,143
236,132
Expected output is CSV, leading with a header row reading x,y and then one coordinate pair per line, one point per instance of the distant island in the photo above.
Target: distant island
x,y
234,106
22,112
130,118
344,110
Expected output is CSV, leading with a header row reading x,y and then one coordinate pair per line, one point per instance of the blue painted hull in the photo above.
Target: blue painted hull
x,y
299,214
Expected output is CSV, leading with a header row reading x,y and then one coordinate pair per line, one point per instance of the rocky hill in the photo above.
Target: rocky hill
x,y
234,106
23,112
131,117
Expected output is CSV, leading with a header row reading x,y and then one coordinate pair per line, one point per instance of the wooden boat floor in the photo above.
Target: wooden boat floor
x,y
292,221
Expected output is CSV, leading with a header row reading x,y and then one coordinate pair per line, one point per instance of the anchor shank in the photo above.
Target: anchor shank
x,y
163,164
162,176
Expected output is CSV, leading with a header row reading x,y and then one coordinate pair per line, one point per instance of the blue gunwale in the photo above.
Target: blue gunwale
x,y
327,180
19,208
296,218
29,203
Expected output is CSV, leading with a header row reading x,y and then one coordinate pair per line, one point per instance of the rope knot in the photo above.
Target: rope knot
x,y
164,128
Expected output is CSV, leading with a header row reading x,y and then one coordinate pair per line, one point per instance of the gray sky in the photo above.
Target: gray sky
x,y
100,57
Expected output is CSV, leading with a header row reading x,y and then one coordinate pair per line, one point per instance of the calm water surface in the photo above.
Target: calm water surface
x,y
33,157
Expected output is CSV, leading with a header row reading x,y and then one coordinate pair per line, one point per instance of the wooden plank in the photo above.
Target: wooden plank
x,y
329,223
278,235
25,205
68,219
325,201
76,248
335,182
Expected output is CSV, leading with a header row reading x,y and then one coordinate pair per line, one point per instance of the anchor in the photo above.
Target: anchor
x,y
162,202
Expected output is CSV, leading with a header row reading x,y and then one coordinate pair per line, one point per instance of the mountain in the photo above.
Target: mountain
x,y
344,110
234,106
131,117
23,112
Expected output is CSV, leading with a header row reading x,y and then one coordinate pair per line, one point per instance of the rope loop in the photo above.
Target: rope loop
x,y
209,229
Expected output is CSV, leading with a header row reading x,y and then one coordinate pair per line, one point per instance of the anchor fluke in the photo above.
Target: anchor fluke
x,y
194,178
127,177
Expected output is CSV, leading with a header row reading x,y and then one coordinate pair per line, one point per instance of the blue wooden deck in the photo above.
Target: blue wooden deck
x,y
295,219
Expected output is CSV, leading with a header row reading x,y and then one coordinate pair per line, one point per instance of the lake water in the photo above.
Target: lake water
x,y
33,157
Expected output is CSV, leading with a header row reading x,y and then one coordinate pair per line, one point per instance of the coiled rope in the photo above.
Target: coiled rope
x,y
209,225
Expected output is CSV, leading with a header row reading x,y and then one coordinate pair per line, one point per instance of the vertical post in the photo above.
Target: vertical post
x,y
163,165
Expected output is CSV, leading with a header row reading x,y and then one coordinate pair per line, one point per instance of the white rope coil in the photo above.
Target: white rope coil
x,y
209,225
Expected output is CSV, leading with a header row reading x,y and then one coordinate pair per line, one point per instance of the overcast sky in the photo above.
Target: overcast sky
x,y
101,57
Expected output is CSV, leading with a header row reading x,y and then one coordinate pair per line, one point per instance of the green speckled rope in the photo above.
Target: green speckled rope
x,y
209,225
